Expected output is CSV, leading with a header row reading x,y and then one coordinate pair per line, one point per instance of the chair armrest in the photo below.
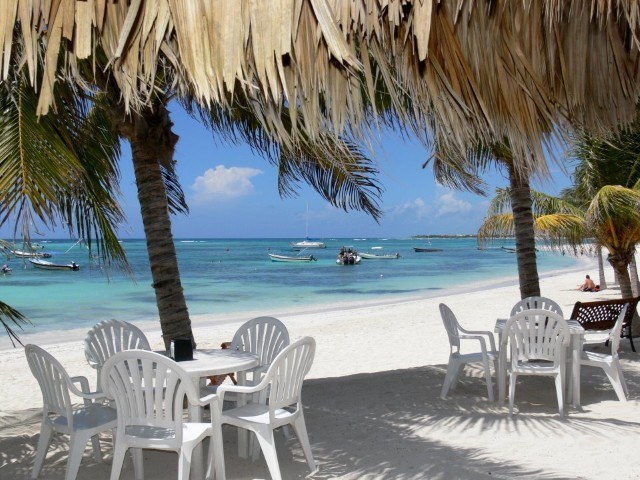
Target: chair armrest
x,y
84,391
480,338
482,332
222,389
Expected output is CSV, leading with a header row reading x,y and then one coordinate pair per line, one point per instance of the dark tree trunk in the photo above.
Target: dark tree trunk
x,y
620,263
603,281
525,234
152,144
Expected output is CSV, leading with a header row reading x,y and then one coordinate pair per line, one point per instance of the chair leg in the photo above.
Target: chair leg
x,y
512,391
452,374
215,466
622,380
46,433
95,445
559,380
118,458
184,463
268,446
614,377
77,446
138,463
300,428
487,376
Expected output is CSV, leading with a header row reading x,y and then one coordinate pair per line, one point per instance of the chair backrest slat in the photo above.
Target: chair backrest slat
x,y
451,326
262,336
537,335
536,303
109,337
614,336
53,380
286,374
149,390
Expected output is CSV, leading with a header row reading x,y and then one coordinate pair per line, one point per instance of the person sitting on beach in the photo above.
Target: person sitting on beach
x,y
588,285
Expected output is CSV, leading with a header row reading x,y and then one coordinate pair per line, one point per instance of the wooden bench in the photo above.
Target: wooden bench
x,y
602,315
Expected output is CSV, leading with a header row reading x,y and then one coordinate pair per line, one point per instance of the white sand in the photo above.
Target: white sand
x,y
372,400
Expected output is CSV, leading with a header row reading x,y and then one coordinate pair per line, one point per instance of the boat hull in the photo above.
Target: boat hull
x,y
420,249
21,254
288,259
384,256
44,265
351,261
307,244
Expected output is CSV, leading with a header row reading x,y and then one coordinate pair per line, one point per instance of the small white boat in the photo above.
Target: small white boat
x,y
376,253
292,259
45,265
307,244
23,254
348,256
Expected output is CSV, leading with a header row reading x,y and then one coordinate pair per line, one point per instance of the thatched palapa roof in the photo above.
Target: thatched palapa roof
x,y
492,69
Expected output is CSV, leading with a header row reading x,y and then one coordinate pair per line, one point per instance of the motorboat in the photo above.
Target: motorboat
x,y
275,257
377,253
426,249
5,270
348,256
23,254
45,265
307,244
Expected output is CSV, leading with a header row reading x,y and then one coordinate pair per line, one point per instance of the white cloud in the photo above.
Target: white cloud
x,y
417,208
447,203
223,183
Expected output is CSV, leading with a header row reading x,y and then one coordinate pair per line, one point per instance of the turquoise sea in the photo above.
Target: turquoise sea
x,y
222,276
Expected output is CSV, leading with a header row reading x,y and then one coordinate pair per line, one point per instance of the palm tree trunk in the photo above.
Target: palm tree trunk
x,y
152,144
620,263
603,281
525,235
633,274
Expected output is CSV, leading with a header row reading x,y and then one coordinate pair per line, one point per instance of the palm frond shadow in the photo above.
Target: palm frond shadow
x,y
383,425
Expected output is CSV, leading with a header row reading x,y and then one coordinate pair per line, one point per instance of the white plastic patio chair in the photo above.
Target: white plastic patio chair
x,y
610,363
81,423
538,340
283,380
149,390
536,303
109,337
457,360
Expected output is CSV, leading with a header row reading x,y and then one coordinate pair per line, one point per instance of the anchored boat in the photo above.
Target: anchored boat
x,y
376,253
45,265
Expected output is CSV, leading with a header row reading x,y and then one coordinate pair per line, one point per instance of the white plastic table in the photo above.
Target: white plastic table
x,y
205,363
573,360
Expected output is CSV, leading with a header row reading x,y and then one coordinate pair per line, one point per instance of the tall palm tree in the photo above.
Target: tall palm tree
x,y
463,173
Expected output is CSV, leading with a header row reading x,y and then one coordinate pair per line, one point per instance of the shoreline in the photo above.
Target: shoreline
x,y
50,337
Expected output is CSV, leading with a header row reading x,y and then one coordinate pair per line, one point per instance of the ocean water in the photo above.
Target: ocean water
x,y
222,276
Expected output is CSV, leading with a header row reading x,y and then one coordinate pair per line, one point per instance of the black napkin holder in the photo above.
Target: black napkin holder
x,y
181,349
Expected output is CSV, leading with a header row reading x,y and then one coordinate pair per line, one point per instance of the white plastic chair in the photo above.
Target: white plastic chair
x,y
610,363
536,303
538,341
283,380
109,337
60,415
457,360
149,391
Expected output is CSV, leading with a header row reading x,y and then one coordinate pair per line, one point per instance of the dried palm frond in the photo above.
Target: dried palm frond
x,y
483,71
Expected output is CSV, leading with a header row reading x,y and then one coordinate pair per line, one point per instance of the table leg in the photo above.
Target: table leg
x,y
195,415
243,434
577,353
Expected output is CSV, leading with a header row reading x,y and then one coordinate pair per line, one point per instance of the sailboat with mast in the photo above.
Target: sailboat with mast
x,y
307,242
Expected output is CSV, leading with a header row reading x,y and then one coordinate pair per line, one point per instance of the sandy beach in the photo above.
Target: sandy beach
x,y
372,400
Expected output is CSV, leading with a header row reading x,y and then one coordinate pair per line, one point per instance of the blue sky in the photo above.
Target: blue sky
x,y
232,193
